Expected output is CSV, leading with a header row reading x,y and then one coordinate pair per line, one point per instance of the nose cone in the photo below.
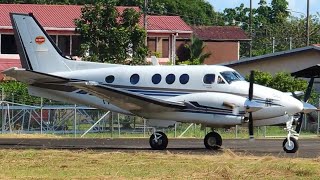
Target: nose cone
x,y
292,105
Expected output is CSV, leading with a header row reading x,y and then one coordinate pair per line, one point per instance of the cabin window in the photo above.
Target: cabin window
x,y
109,79
170,78
208,78
156,78
134,79
184,79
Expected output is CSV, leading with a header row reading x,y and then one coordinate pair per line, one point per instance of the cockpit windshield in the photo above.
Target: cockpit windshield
x,y
231,76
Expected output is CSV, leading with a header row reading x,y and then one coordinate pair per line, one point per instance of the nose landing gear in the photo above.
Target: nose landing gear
x,y
290,144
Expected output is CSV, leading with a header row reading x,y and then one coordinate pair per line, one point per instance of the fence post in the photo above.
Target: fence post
x,y
318,127
75,120
41,116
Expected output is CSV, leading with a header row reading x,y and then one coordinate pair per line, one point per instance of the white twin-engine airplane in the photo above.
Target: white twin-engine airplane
x,y
214,96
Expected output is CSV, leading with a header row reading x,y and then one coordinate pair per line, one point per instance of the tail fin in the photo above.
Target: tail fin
x,y
37,50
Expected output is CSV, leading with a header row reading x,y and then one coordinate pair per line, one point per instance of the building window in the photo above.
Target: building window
x,y
54,38
165,48
152,45
184,79
75,51
109,79
170,78
8,44
134,79
208,78
156,78
64,45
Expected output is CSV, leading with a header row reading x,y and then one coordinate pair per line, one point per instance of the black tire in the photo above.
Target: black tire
x,y
290,149
162,141
213,141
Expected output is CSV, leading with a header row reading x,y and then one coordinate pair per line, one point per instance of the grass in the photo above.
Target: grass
x,y
58,164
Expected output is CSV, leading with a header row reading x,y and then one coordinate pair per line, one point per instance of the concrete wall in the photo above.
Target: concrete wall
x,y
221,52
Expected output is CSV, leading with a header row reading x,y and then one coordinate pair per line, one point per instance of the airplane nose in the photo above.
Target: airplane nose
x,y
293,105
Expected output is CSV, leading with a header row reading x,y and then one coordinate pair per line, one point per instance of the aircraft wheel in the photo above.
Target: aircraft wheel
x,y
213,141
158,141
293,147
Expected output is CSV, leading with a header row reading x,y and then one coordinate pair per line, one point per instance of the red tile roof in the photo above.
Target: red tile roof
x,y
220,33
59,16
62,16
170,23
8,63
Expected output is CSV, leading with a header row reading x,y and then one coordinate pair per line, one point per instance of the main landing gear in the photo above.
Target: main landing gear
x,y
290,144
212,141
159,141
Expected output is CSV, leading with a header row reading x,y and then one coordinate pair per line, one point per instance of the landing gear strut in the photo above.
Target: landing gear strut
x,y
213,141
290,144
158,141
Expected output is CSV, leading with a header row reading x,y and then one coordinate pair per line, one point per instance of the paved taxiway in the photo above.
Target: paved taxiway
x,y
309,148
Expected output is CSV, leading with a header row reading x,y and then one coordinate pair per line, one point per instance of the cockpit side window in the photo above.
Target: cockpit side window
x,y
220,80
208,78
231,76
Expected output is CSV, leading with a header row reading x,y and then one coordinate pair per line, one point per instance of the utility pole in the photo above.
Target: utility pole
x,y
145,21
250,23
307,24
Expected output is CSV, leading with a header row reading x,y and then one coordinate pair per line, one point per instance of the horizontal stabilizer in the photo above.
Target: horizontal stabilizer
x,y
32,77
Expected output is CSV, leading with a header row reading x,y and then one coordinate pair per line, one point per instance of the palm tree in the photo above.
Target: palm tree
x,y
196,52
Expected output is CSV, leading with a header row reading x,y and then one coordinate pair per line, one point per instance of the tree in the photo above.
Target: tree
x,y
284,82
193,12
272,22
195,50
109,36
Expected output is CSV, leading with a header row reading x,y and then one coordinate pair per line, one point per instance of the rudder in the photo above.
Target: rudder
x,y
37,50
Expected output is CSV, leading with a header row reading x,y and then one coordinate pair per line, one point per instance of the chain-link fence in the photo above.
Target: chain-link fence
x,y
24,114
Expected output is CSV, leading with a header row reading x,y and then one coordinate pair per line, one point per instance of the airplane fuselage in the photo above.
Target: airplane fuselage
x,y
206,86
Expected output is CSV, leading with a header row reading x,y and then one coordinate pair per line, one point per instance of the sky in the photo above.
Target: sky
x,y
300,6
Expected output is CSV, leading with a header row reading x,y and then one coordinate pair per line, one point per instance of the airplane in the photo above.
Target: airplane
x,y
211,95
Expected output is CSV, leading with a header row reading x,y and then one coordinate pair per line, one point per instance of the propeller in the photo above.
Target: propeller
x,y
305,99
250,123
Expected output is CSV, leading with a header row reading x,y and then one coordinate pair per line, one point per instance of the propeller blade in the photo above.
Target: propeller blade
x,y
251,80
250,123
250,126
308,92
299,123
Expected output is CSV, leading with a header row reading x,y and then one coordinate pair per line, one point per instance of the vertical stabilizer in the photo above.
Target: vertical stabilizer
x,y
36,49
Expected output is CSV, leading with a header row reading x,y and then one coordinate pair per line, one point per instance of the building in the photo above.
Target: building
x,y
284,61
223,42
165,33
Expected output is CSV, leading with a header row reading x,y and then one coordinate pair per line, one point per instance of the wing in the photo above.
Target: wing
x,y
33,77
133,102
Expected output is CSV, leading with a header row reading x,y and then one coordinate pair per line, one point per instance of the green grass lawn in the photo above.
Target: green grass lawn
x,y
65,164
